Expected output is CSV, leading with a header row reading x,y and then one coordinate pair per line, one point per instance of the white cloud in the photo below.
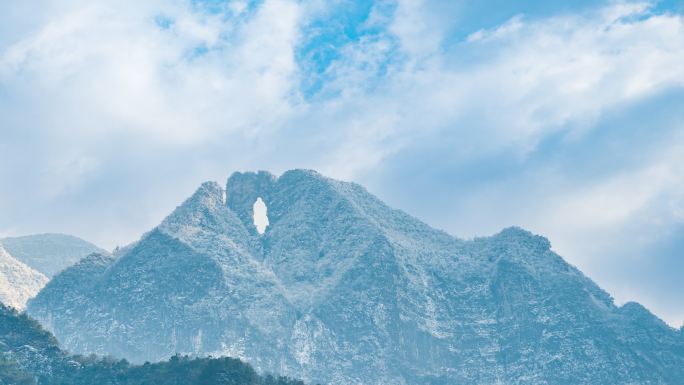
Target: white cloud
x,y
529,78
543,76
200,76
418,28
645,198
92,91
511,86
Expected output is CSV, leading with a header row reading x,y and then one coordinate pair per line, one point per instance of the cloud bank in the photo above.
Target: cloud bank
x,y
567,121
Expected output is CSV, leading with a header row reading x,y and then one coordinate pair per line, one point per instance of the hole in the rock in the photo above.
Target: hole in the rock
x,y
260,215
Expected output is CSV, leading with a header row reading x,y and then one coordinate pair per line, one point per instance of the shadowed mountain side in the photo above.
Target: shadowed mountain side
x,y
29,355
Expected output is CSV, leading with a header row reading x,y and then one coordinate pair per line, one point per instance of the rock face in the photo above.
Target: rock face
x,y
29,355
49,253
18,282
342,289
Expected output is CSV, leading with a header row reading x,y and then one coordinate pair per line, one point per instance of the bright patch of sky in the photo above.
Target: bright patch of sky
x,y
565,118
260,215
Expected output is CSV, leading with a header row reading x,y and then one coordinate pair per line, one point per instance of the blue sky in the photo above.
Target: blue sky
x,y
564,118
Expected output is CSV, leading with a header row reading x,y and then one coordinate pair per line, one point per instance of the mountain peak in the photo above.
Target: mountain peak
x,y
243,189
205,213
343,289
281,195
526,247
302,173
518,234
209,191
207,198
636,312
49,253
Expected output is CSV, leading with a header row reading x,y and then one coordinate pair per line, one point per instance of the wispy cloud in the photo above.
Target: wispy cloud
x,y
112,112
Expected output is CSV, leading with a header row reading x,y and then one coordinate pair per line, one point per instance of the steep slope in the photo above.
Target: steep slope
x,y
197,265
30,356
49,253
71,291
343,289
28,348
18,282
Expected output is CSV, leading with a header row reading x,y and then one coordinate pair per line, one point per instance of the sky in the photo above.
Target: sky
x,y
565,119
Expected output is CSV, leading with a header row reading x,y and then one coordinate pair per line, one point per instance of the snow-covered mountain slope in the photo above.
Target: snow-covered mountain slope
x,y
49,253
29,355
18,282
342,289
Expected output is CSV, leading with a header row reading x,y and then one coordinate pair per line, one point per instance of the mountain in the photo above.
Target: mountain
x,y
18,282
30,355
49,253
27,263
342,289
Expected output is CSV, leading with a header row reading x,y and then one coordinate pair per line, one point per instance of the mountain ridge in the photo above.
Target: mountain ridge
x,y
49,253
343,289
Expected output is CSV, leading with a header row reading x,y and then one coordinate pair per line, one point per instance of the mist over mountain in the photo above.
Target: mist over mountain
x,y
49,253
342,289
